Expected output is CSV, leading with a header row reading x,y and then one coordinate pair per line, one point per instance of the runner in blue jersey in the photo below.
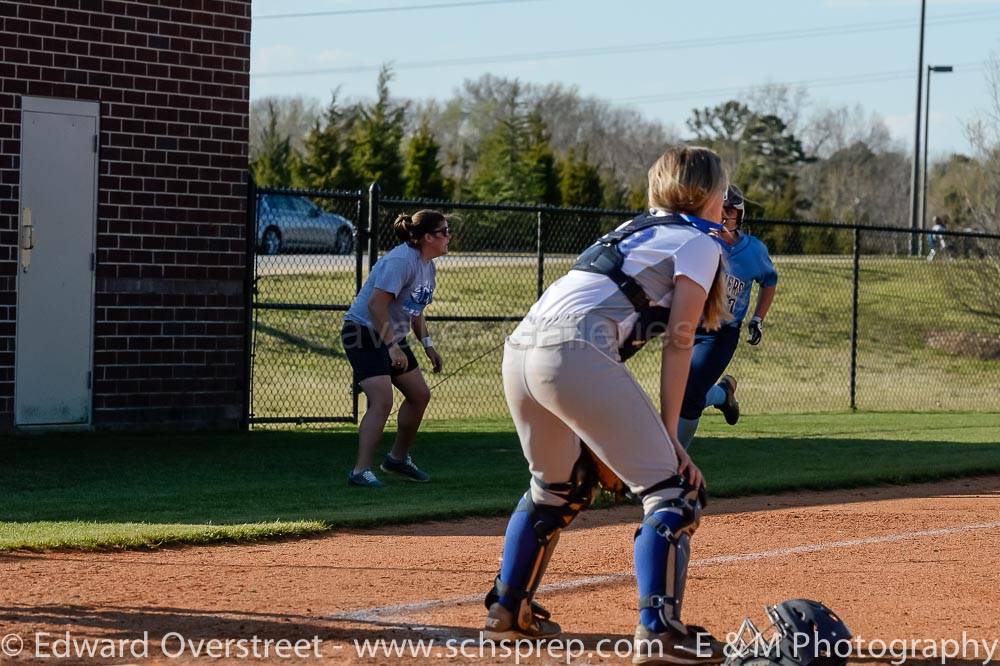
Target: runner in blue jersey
x,y
748,261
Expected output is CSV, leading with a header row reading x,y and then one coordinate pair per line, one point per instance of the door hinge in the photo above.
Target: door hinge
x,y
90,379
95,143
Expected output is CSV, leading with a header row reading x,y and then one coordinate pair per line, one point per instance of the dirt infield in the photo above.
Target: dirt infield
x,y
909,562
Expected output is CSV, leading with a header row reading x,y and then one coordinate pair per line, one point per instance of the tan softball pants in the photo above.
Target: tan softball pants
x,y
565,392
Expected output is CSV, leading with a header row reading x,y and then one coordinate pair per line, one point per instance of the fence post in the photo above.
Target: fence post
x,y
541,253
854,319
249,289
361,239
360,243
374,204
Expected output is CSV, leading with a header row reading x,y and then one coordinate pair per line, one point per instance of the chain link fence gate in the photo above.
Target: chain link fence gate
x,y
307,268
857,322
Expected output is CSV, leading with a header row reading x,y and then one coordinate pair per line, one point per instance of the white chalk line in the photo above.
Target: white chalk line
x,y
383,613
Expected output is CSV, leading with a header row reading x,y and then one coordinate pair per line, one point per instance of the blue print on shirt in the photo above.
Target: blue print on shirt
x,y
418,299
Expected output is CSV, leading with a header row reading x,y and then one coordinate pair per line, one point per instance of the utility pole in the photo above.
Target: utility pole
x,y
931,69
915,180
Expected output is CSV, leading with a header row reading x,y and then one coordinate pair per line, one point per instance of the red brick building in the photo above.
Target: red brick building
x,y
158,200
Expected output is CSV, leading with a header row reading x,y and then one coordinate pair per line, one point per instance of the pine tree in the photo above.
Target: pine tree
x,y
501,172
376,138
637,197
580,181
325,165
541,162
515,162
272,165
759,150
421,172
579,186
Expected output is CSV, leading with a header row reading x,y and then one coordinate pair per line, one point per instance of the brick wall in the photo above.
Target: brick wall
x,y
172,77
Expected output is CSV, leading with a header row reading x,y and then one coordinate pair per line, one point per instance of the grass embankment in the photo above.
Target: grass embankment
x,y
803,364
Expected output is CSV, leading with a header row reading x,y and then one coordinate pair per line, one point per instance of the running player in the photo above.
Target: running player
x,y
747,262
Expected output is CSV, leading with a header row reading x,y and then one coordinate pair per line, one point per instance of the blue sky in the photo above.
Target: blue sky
x,y
683,54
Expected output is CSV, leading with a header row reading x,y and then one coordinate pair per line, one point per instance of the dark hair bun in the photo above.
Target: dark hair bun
x,y
403,227
409,228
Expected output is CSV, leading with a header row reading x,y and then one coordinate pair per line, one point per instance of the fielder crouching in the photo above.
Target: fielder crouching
x,y
564,381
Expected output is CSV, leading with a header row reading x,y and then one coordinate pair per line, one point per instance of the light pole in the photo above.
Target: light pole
x,y
940,69
915,180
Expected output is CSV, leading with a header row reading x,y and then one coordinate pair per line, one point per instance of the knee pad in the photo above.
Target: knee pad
x,y
677,487
578,492
688,504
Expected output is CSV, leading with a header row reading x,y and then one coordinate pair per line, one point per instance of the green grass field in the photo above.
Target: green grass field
x,y
802,366
126,491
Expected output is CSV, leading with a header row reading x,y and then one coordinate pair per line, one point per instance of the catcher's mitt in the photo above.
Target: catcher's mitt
x,y
606,479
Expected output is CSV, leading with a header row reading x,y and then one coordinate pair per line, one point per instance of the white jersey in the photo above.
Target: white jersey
x,y
655,257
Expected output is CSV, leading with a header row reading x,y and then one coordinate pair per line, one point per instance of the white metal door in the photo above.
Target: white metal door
x,y
55,285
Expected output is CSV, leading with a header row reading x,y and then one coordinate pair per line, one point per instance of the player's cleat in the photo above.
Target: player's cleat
x,y
730,408
364,479
502,625
405,468
688,644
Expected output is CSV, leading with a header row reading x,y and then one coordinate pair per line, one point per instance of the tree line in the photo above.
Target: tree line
x,y
498,139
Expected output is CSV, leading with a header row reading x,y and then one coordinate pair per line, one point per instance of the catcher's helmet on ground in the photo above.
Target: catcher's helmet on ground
x,y
805,633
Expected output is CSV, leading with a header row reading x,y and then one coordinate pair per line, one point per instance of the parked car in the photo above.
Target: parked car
x,y
290,223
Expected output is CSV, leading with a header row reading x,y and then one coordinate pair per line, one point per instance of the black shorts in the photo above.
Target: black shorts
x,y
368,356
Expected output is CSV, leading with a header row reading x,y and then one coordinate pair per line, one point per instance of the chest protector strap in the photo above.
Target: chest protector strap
x,y
606,258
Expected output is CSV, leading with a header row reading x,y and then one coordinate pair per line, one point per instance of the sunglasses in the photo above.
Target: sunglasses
x,y
444,231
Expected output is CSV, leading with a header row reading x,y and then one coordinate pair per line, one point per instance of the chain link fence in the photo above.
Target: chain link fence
x,y
306,271
857,322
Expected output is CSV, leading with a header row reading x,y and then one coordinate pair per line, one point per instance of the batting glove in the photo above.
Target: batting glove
x,y
755,331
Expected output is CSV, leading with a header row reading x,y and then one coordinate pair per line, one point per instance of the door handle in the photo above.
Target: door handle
x,y
27,239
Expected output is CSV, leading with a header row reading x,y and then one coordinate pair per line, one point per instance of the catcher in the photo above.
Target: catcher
x,y
564,381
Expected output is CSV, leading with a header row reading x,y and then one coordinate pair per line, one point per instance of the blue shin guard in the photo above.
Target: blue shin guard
x,y
523,547
662,550
532,534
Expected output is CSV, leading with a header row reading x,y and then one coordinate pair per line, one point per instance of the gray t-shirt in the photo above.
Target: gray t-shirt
x,y
404,274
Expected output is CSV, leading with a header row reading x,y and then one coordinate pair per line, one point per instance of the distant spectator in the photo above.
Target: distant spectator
x,y
936,241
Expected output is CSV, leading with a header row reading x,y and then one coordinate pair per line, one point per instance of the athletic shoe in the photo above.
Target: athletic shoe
x,y
730,408
501,625
690,644
405,468
364,479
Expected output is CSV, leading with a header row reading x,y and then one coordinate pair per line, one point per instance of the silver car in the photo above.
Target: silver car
x,y
290,223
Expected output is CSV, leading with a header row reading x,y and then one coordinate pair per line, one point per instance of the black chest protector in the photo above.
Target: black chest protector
x,y
605,257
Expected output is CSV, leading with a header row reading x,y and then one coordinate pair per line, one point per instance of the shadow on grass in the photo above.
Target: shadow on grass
x,y
300,342
212,481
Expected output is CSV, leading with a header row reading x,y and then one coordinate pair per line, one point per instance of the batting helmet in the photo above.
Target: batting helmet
x,y
735,201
